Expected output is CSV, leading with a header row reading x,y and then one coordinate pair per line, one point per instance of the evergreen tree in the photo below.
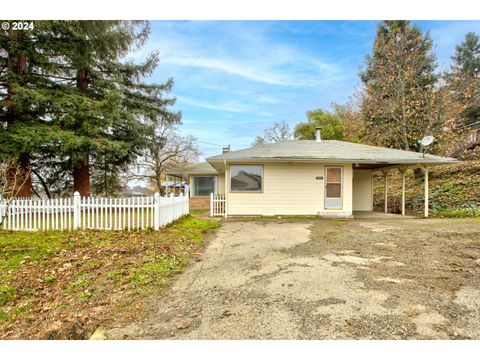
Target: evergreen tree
x,y
70,97
24,94
106,98
400,103
463,82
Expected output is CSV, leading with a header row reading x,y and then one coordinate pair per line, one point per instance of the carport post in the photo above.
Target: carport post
x,y
425,195
385,189
402,171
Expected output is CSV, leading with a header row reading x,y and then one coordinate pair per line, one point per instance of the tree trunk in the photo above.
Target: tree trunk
x,y
19,177
158,181
81,170
81,178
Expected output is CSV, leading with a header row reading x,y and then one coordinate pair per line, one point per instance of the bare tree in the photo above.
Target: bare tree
x,y
166,149
279,131
13,178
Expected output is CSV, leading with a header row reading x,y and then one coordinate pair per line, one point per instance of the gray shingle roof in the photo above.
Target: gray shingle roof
x,y
203,168
328,150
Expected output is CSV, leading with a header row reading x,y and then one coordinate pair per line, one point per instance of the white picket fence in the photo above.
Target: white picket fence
x,y
93,213
218,205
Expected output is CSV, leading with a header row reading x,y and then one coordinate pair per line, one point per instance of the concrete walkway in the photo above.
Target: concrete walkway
x,y
379,215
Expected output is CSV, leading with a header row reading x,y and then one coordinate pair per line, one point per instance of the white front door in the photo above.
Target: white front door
x,y
333,187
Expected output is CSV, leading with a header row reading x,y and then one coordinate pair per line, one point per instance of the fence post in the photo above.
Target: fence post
x,y
225,214
156,211
211,204
187,203
76,210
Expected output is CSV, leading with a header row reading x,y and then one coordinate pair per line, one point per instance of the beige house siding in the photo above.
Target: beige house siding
x,y
290,189
221,184
362,190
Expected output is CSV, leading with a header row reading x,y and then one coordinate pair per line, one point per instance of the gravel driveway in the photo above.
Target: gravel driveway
x,y
319,280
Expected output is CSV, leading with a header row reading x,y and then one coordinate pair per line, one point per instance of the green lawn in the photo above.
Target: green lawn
x,y
63,284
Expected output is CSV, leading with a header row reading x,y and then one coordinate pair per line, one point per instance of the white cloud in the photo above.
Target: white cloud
x,y
228,66
269,99
230,106
243,52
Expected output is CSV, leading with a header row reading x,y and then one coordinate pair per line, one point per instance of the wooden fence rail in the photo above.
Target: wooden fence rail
x,y
92,212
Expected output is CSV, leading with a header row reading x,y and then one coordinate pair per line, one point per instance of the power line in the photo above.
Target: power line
x,y
209,143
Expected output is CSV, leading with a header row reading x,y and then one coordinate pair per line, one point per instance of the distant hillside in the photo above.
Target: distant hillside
x,y
454,190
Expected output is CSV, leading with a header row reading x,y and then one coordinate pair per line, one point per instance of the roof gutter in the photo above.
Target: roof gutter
x,y
333,160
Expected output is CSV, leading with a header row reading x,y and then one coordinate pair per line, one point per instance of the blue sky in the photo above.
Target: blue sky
x,y
234,78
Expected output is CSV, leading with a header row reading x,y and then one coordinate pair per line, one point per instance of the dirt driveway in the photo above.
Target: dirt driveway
x,y
381,279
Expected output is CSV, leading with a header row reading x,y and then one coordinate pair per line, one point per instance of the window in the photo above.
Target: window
x,y
203,185
246,178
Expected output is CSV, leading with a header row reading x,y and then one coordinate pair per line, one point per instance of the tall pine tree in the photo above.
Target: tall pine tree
x,y
70,97
24,98
107,99
463,82
400,103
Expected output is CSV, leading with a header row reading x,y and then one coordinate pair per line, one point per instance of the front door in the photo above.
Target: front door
x,y
333,187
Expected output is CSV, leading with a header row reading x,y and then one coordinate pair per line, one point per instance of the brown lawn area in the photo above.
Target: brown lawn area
x,y
63,285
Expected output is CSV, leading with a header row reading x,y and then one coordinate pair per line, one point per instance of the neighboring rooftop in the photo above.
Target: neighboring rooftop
x,y
328,150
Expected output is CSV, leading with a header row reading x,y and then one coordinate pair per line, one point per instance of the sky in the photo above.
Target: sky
x,y
232,79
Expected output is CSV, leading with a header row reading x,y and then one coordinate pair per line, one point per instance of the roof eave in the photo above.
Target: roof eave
x,y
337,160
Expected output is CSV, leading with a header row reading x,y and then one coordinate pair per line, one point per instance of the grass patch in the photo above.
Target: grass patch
x,y
199,212
157,272
4,317
194,228
7,294
467,212
85,294
92,276
80,284
49,279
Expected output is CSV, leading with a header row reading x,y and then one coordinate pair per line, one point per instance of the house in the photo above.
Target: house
x,y
301,177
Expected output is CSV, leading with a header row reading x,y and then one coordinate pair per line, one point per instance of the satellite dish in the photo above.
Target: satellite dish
x,y
427,140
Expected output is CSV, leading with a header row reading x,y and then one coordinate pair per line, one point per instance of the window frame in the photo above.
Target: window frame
x,y
204,176
245,191
341,167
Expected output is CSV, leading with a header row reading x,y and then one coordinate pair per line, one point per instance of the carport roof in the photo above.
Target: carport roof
x,y
203,168
330,151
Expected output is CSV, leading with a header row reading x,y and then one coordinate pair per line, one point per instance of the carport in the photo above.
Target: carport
x,y
402,168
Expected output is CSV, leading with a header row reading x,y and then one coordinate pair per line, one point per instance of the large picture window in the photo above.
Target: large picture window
x,y
248,178
203,185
